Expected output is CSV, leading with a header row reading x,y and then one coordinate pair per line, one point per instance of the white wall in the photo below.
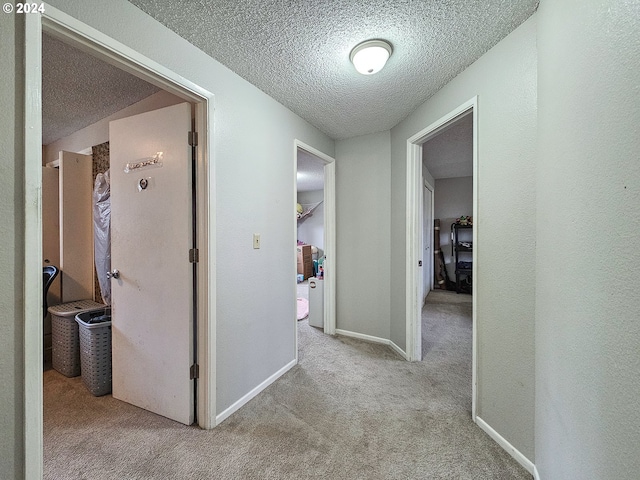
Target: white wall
x,y
453,198
98,133
311,228
505,81
362,234
588,184
587,177
251,191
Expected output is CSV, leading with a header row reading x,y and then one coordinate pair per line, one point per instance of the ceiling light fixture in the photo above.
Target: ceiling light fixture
x,y
370,57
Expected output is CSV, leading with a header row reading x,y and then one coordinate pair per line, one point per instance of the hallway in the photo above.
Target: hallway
x,y
348,410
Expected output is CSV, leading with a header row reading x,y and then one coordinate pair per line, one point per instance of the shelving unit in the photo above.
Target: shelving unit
x,y
462,248
307,209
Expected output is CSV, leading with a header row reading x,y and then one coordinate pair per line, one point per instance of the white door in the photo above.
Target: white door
x,y
51,228
76,227
152,297
427,253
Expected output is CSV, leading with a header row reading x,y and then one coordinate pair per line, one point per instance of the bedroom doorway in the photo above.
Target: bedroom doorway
x,y
83,37
416,174
314,239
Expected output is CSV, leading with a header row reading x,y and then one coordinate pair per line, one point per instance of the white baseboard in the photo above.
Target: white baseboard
x,y
536,476
362,336
372,339
398,350
510,449
242,401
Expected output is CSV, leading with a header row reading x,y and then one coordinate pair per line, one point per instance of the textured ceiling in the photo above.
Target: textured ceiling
x,y
297,51
450,153
310,172
78,90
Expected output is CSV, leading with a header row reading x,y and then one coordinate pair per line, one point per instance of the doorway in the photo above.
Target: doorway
x,y
85,38
152,294
320,192
447,159
310,239
415,233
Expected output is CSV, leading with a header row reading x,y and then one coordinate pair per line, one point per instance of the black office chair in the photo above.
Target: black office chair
x,y
49,273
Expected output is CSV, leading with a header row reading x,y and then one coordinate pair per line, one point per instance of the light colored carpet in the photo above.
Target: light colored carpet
x,y
348,410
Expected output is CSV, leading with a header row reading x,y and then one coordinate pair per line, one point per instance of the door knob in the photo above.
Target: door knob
x,y
114,274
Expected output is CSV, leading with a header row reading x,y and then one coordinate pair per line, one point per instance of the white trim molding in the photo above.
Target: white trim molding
x,y
255,391
510,449
372,339
33,396
330,241
362,336
476,265
413,303
398,350
536,475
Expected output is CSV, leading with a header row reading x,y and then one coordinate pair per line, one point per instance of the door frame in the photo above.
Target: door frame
x,y
420,294
430,188
80,35
329,208
413,278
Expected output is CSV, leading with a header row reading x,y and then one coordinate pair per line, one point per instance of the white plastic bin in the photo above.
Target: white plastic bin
x,y
316,302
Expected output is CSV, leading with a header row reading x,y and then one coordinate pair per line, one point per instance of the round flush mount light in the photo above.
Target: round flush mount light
x,y
370,57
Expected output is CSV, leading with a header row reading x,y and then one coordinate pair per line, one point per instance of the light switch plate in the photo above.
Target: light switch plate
x,y
256,240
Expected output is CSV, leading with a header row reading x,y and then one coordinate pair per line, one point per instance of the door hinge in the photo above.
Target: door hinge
x,y
194,255
194,371
193,139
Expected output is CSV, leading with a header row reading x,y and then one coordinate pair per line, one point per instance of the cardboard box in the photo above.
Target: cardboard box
x,y
305,261
303,252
